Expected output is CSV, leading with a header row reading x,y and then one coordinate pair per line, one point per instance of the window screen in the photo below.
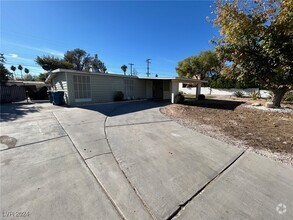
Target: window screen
x,y
82,87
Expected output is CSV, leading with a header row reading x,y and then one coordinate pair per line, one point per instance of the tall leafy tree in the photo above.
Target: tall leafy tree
x,y
13,68
43,76
79,58
20,68
97,65
201,66
4,73
50,63
76,59
257,40
124,69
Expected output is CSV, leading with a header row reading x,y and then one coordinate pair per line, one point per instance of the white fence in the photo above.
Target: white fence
x,y
228,92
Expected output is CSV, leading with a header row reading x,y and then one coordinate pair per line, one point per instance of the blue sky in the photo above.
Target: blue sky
x,y
120,32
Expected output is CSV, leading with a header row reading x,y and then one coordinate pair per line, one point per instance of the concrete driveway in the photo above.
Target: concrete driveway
x,y
128,161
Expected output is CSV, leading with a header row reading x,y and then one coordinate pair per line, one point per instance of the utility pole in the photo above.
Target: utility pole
x,y
131,64
148,61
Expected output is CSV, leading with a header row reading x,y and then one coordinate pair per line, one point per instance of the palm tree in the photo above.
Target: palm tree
x,y
13,68
26,70
124,68
20,68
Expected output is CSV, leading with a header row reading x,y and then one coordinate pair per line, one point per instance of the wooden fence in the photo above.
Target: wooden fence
x,y
12,93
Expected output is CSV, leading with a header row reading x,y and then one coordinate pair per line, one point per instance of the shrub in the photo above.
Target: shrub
x,y
118,96
179,99
288,97
255,95
201,97
238,94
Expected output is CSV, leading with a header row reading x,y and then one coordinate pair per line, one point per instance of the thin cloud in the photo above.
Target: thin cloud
x,y
44,50
54,52
12,55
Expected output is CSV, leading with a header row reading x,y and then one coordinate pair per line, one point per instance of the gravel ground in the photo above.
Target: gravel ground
x,y
268,133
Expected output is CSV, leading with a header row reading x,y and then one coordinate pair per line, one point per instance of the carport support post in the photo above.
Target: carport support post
x,y
175,90
198,89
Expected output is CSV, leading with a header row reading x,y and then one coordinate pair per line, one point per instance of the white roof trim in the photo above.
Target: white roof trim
x,y
179,79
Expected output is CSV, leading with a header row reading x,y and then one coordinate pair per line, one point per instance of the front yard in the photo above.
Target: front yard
x,y
233,122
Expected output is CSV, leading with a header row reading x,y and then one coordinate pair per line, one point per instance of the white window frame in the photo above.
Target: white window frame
x,y
82,88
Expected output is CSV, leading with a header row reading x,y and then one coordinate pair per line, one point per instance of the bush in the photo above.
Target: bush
x,y
255,95
118,96
179,99
238,94
201,97
288,97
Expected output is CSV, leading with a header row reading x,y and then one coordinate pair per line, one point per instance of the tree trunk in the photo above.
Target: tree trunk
x,y
278,95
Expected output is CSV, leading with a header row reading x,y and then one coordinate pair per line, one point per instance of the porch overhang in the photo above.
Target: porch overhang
x,y
177,80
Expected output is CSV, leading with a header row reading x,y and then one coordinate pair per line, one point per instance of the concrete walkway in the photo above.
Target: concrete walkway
x,y
127,160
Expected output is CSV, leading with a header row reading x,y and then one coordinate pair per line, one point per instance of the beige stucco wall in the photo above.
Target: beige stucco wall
x,y
139,89
103,87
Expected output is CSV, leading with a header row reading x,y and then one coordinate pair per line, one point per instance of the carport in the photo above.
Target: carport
x,y
168,88
175,86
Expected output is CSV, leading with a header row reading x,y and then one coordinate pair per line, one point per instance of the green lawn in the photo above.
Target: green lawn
x,y
189,96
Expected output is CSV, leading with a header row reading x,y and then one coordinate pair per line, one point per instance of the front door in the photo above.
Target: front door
x,y
158,89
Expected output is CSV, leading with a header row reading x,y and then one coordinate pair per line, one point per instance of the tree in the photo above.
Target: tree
x,y
80,59
43,76
97,65
26,70
29,77
2,58
204,65
20,68
124,68
257,40
50,63
4,73
13,68
76,59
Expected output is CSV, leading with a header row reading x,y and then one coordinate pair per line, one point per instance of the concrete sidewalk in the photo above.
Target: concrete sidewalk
x,y
127,160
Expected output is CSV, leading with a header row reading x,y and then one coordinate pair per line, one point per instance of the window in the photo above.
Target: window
x,y
82,88
128,87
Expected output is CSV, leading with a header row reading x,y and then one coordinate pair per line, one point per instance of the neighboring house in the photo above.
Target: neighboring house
x,y
85,87
36,90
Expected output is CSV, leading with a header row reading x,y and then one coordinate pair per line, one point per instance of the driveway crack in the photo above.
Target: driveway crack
x,y
134,189
139,123
182,206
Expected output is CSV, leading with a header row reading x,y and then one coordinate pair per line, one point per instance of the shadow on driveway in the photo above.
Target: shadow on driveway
x,y
121,108
13,111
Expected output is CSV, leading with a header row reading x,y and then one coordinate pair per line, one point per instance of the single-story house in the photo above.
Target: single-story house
x,y
87,87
